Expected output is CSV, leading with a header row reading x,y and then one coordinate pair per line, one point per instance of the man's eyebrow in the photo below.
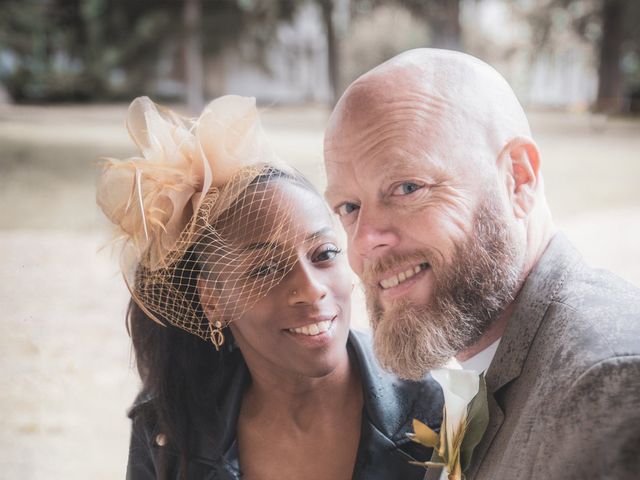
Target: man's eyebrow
x,y
332,192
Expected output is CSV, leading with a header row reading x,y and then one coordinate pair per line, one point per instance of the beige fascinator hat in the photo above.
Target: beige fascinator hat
x,y
202,225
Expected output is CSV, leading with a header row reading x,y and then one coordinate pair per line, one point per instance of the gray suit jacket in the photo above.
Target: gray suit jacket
x,y
564,386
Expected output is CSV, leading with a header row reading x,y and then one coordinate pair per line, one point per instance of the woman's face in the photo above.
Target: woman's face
x,y
300,325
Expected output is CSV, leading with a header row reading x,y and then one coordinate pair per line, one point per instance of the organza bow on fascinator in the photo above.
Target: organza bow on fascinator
x,y
185,209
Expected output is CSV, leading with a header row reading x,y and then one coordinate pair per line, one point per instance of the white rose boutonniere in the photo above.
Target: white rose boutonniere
x,y
464,422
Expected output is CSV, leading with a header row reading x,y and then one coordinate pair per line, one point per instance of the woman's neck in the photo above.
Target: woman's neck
x,y
301,401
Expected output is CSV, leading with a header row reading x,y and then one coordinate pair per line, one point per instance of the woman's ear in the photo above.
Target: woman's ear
x,y
521,164
207,298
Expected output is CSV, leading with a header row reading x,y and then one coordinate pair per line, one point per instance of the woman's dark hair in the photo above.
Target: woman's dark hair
x,y
181,373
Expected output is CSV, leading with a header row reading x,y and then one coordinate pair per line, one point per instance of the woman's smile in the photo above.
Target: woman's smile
x,y
320,332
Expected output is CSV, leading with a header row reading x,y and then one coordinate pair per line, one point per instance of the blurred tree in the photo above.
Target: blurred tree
x,y
100,49
610,87
71,49
441,18
194,69
612,27
333,59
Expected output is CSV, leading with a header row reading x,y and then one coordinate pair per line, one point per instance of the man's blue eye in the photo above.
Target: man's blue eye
x,y
406,188
346,209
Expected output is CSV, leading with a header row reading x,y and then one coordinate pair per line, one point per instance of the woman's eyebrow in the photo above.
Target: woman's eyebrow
x,y
323,232
261,245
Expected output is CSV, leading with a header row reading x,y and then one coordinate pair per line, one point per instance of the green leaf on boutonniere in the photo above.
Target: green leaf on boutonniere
x,y
477,421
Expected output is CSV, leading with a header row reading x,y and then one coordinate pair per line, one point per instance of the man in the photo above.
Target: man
x,y
436,179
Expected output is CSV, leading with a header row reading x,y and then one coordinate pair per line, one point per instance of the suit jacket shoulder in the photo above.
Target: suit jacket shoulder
x,y
600,311
565,381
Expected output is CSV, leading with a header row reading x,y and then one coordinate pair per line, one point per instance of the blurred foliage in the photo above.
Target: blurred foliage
x,y
75,50
105,49
440,17
613,30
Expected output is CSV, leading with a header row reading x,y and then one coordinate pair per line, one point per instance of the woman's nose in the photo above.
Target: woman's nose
x,y
307,286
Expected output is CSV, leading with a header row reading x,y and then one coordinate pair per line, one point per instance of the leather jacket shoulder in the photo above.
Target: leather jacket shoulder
x,y
384,452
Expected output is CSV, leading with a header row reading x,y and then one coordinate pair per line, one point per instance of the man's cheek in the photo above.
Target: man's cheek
x,y
355,262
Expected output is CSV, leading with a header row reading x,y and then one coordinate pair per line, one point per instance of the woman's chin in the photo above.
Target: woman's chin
x,y
318,363
317,369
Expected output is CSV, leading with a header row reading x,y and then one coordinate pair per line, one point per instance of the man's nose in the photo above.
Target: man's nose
x,y
307,285
373,235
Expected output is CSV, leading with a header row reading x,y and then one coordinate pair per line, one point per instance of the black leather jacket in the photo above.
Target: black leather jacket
x,y
384,451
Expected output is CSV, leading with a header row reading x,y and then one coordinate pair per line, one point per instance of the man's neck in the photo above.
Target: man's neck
x,y
494,332
498,327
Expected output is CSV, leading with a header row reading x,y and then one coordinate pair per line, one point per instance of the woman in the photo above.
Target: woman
x,y
226,244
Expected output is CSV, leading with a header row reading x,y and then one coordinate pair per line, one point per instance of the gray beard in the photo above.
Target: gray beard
x,y
469,294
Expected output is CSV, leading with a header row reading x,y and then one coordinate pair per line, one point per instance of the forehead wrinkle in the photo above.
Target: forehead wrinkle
x,y
366,101
407,163
397,139
412,108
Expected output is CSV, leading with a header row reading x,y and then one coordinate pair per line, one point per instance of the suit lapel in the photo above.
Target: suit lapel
x,y
539,289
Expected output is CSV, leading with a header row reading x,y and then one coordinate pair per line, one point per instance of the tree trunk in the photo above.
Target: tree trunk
x,y
610,89
194,69
332,50
445,24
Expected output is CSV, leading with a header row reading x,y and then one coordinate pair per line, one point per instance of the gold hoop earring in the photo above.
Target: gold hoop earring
x,y
217,337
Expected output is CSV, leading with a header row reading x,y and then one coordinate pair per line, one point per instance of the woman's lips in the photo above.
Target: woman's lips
x,y
320,326
314,334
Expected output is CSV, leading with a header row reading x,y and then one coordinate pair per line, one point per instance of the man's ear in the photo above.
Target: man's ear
x,y
521,163
207,298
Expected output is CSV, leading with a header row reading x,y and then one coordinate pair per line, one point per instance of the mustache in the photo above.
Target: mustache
x,y
372,271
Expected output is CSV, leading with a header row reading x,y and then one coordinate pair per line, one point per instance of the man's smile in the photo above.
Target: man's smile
x,y
393,280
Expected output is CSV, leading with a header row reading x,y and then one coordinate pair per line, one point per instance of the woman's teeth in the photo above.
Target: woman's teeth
x,y
394,280
313,329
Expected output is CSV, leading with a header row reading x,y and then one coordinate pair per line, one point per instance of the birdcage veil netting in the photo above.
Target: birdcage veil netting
x,y
203,221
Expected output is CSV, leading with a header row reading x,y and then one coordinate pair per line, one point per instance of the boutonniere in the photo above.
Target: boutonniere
x,y
464,421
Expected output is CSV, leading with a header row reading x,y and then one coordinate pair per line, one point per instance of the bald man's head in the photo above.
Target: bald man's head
x,y
443,92
433,172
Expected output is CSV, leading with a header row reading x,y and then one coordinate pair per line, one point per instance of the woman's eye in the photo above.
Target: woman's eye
x,y
264,270
346,209
407,188
327,253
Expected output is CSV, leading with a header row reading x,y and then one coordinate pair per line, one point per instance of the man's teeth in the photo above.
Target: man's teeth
x,y
313,329
402,276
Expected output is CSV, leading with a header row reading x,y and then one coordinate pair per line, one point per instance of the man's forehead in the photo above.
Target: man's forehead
x,y
347,176
376,97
